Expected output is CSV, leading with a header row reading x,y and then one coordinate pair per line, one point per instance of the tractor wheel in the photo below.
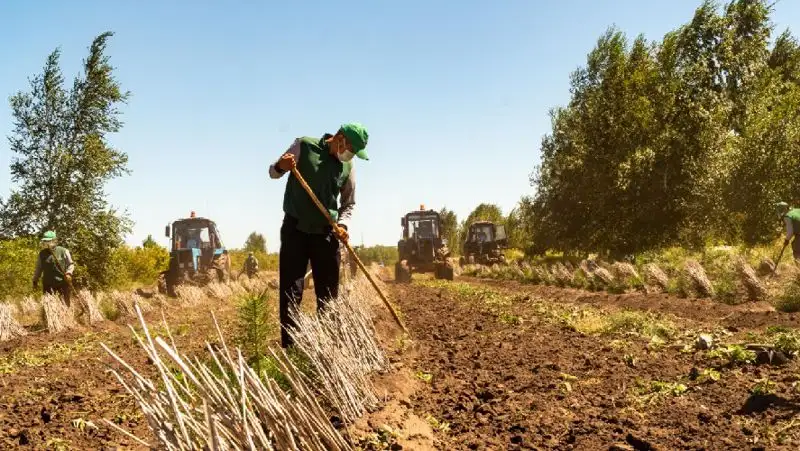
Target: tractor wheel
x,y
443,271
171,289
446,271
402,273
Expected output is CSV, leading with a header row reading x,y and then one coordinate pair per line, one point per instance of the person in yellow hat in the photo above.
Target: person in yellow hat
x,y
54,266
306,236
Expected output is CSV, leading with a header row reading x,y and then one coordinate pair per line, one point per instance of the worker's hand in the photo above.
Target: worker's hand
x,y
341,233
68,278
286,162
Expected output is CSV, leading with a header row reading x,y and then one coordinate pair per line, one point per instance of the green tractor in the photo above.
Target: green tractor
x,y
422,248
197,256
485,244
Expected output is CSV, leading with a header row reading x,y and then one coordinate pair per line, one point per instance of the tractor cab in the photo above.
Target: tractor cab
x,y
422,225
484,243
422,247
196,252
481,233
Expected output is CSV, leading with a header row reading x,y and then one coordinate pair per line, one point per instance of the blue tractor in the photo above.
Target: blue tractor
x,y
197,256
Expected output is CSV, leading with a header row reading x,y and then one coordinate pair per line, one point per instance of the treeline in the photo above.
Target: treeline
x,y
386,255
128,266
686,141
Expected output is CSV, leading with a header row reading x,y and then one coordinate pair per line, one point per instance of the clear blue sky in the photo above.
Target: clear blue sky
x,y
455,95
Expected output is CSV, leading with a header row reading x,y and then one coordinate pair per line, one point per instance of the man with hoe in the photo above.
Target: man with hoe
x,y
325,164
54,266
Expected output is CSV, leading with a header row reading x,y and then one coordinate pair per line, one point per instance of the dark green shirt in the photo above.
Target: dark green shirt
x,y
328,178
47,269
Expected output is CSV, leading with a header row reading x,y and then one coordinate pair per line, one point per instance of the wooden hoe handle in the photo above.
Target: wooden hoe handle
x,y
324,211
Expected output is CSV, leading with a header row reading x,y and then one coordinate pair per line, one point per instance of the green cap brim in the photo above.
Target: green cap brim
x,y
362,154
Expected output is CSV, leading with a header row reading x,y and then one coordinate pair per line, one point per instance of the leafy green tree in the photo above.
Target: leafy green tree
x,y
256,242
377,254
149,242
63,161
450,228
17,261
486,212
519,224
686,141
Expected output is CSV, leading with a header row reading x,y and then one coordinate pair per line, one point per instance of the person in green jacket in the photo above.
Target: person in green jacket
x,y
791,221
54,266
251,265
306,236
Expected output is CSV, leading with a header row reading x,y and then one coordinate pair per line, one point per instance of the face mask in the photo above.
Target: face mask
x,y
345,156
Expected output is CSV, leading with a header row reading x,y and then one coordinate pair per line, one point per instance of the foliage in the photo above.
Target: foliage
x,y
256,242
266,262
254,327
149,242
136,266
486,212
789,299
377,254
17,261
687,141
518,224
450,230
63,160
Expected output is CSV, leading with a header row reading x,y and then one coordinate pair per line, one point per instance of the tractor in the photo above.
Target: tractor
x,y
484,244
197,256
422,248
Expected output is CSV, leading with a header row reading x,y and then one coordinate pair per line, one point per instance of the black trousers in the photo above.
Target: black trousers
x,y
62,289
796,247
297,249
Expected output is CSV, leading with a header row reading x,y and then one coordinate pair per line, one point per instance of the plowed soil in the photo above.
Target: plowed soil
x,y
533,384
49,384
491,375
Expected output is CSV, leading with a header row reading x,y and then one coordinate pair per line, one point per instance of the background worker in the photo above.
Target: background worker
x,y
306,236
55,267
251,265
791,220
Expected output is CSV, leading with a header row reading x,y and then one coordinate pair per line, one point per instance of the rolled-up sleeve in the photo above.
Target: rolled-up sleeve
x,y
348,199
70,267
294,149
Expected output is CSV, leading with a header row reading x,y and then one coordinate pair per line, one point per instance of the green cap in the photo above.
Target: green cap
x,y
49,236
357,136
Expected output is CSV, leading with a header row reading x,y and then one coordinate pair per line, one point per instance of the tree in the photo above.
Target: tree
x,y
486,212
519,224
149,243
450,228
685,141
63,161
256,242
